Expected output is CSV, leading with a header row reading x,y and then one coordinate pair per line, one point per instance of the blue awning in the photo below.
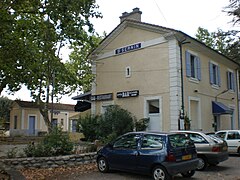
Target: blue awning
x,y
219,108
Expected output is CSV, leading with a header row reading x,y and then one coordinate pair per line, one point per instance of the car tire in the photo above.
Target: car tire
x,y
202,163
102,165
188,174
159,172
238,151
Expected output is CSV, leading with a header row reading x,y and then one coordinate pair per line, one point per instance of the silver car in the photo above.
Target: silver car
x,y
210,150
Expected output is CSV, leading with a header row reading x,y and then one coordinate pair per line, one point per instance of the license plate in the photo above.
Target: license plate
x,y
187,157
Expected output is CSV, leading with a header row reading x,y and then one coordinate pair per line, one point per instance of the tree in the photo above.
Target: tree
x,y
5,106
233,9
42,28
79,63
226,43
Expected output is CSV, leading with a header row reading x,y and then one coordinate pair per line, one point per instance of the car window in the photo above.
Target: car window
x,y
233,135
152,142
127,142
221,134
179,140
197,138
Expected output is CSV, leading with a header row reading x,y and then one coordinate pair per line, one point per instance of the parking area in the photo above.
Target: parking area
x,y
228,170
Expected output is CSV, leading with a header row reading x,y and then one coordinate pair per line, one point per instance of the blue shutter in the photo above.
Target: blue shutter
x,y
218,76
198,68
188,64
233,82
211,72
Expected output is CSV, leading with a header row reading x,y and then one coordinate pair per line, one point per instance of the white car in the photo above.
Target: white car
x,y
232,137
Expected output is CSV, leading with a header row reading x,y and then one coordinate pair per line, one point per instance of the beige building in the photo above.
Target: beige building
x,y
162,73
25,118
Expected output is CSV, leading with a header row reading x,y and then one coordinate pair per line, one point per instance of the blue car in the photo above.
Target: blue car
x,y
161,155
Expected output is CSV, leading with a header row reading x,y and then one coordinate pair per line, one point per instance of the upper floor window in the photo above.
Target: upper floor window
x,y
214,73
193,66
230,80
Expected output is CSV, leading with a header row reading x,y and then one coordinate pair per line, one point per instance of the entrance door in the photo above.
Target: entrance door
x,y
153,110
31,128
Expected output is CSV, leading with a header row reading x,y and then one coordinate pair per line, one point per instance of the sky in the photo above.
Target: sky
x,y
183,15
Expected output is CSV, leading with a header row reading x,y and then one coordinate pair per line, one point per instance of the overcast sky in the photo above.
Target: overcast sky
x,y
183,15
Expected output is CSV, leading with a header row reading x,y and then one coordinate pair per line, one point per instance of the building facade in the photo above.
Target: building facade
x,y
164,74
26,119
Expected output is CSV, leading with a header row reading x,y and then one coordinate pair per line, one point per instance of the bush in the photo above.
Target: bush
x,y
54,144
142,124
114,122
88,126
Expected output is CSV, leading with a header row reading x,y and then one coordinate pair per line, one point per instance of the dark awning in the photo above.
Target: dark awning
x,y
85,96
82,106
219,108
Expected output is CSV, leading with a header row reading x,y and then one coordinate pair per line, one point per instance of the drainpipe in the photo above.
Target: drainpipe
x,y
237,91
182,111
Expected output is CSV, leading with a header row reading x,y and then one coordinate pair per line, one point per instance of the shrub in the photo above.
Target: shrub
x,y
142,124
54,144
88,126
114,122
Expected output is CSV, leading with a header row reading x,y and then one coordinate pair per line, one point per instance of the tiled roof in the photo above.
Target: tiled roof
x,y
56,106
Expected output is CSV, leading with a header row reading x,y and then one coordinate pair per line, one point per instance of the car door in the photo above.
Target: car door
x,y
124,151
233,141
151,151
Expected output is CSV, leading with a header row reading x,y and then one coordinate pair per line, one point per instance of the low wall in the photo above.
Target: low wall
x,y
48,162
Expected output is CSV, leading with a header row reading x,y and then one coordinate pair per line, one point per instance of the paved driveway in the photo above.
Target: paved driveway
x,y
228,170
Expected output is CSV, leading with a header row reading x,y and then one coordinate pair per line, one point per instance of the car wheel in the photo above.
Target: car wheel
x,y
160,173
239,151
188,174
202,163
102,165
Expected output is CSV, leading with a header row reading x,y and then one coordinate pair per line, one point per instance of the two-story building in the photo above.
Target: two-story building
x,y
162,73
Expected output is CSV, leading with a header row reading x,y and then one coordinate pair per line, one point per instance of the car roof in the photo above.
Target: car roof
x,y
151,132
231,130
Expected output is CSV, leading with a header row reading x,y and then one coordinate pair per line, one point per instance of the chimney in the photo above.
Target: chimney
x,y
134,15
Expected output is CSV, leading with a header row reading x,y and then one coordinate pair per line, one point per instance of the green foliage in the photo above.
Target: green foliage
x,y
226,43
12,153
142,124
32,34
233,9
114,122
54,144
5,107
88,126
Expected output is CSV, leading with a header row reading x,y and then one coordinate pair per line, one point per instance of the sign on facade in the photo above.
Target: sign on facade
x,y
126,94
128,48
102,97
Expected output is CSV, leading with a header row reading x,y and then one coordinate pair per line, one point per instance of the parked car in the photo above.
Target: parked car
x,y
210,149
161,155
232,137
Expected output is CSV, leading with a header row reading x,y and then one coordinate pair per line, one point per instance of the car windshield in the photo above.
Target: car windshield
x,y
215,138
179,140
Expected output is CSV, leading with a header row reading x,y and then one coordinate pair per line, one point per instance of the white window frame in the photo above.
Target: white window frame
x,y
216,83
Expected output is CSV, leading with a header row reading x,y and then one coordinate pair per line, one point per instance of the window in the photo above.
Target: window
x,y
54,123
153,106
152,142
15,122
127,142
214,73
128,71
196,138
233,135
193,66
230,81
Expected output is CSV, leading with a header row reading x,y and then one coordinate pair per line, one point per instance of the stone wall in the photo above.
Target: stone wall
x,y
48,162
